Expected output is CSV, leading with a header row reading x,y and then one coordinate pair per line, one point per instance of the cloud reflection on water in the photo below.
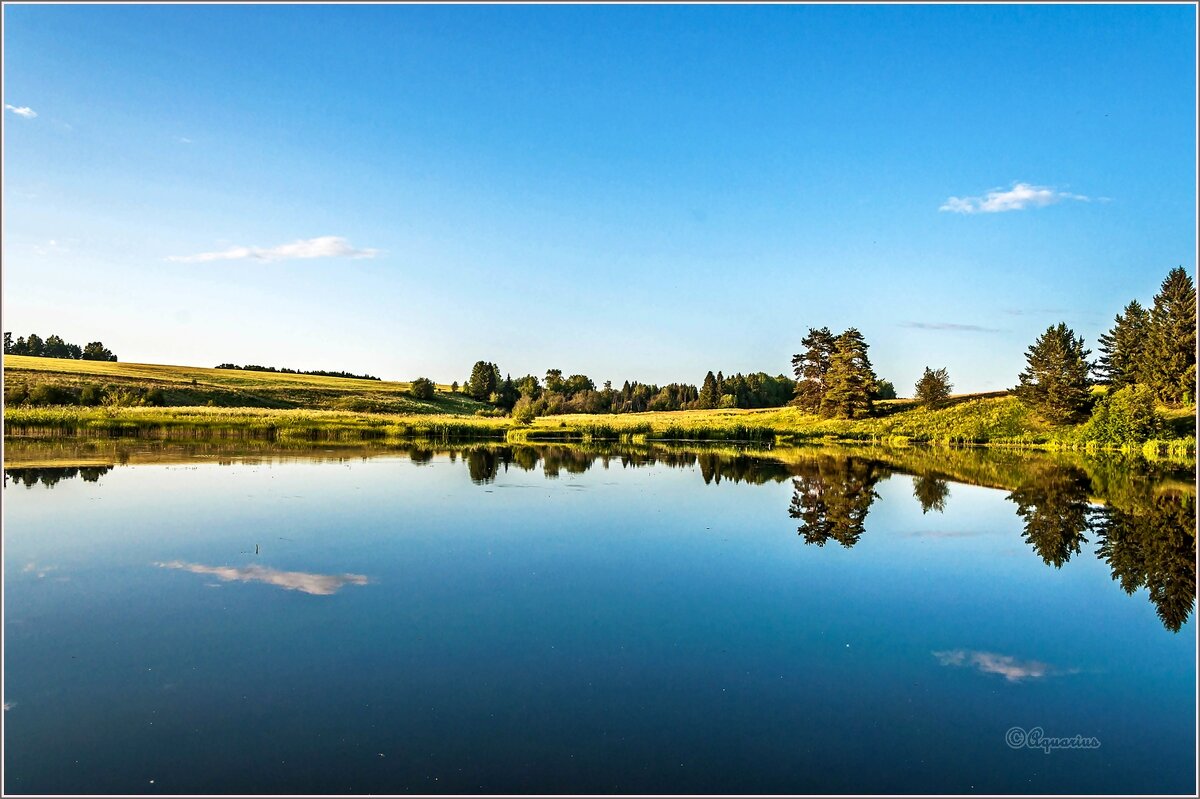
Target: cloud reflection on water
x,y
306,582
1007,666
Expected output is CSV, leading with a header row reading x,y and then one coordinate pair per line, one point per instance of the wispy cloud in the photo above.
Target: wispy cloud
x,y
21,111
320,247
305,582
49,248
184,140
949,326
1017,198
1034,311
1007,666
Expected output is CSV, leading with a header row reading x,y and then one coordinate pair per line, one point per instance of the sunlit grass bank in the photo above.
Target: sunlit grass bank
x,y
996,422
225,388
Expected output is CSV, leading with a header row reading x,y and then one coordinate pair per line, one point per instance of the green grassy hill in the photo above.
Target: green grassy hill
x,y
223,388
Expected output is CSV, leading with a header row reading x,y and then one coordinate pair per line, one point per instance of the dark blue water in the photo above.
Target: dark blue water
x,y
393,624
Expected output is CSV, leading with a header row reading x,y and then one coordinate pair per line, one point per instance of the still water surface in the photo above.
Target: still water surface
x,y
549,619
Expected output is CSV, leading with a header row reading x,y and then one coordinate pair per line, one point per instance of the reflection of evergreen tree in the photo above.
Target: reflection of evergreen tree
x,y
1154,548
1054,504
931,492
831,497
482,464
525,457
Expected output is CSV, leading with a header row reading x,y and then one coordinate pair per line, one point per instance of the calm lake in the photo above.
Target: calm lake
x,y
495,619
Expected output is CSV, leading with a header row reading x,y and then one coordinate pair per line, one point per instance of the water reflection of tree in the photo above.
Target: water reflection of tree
x,y
1155,548
420,455
482,464
716,466
931,492
1054,504
50,475
831,497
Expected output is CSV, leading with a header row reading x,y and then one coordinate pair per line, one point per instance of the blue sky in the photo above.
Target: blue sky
x,y
628,192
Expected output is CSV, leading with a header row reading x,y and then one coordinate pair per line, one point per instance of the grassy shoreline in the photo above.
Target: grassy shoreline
x,y
232,404
998,422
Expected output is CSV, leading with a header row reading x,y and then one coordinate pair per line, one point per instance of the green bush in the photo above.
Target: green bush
x,y
1127,416
46,394
90,395
15,395
523,411
422,388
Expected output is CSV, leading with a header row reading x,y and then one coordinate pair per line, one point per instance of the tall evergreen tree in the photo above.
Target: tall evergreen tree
x,y
1122,350
811,368
850,381
34,345
708,393
1055,383
482,382
1171,352
8,343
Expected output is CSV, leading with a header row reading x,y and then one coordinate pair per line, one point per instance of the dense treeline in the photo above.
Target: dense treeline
x,y
1146,358
316,372
528,396
55,347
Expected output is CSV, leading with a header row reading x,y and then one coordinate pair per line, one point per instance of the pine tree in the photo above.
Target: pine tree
x,y
482,382
1171,352
1122,350
708,393
1055,383
850,381
811,368
933,387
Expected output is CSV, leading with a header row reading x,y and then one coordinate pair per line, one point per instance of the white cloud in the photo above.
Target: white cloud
x,y
184,140
320,247
21,111
1018,198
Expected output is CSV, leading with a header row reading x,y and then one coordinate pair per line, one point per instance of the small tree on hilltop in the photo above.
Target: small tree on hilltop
x,y
934,387
96,351
1055,383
